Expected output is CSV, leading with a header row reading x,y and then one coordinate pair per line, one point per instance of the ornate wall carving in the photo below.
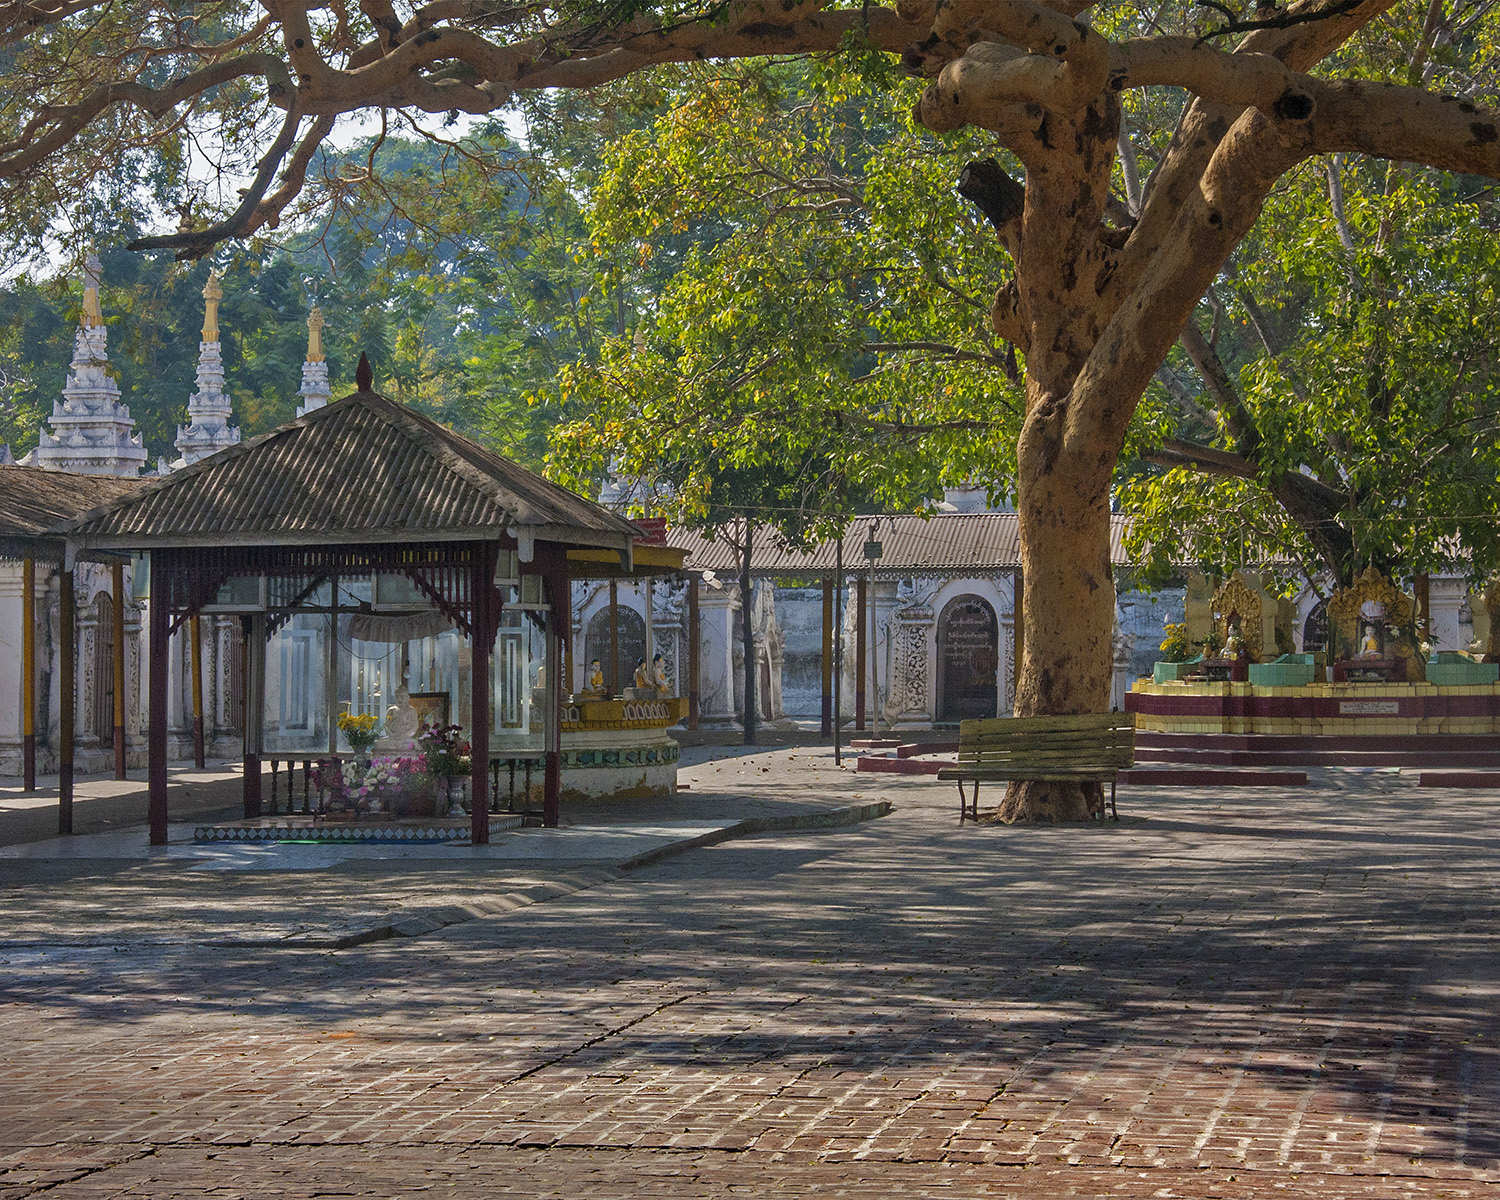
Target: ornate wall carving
x,y
910,627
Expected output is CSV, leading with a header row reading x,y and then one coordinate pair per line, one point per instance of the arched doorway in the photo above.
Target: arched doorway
x,y
632,647
968,659
1315,629
104,669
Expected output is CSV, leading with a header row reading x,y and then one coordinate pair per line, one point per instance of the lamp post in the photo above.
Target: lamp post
x,y
838,651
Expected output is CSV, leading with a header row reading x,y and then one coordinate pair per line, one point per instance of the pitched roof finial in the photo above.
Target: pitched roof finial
x,y
363,376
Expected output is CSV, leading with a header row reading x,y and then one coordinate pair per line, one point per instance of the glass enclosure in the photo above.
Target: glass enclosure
x,y
380,649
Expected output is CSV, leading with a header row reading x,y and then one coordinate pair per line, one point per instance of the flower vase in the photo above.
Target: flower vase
x,y
362,760
450,796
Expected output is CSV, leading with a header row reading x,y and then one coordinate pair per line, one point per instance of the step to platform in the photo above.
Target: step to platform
x,y
306,829
912,749
1209,777
1457,759
1459,779
1284,741
874,743
1252,750
883,764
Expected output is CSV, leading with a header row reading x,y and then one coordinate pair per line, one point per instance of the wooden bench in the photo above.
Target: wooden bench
x,y
1077,748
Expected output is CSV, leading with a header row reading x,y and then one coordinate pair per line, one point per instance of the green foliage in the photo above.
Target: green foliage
x,y
1384,386
808,304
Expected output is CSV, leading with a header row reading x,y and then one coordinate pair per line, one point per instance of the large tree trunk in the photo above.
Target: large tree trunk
x,y
1068,616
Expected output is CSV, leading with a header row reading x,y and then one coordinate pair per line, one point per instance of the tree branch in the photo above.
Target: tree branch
x,y
1174,453
195,243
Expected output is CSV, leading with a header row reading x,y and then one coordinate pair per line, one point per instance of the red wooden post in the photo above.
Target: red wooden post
x,y
117,661
67,703
156,700
482,627
253,629
555,570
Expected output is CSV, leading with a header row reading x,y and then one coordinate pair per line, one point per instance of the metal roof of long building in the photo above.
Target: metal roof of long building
x,y
360,469
33,501
945,542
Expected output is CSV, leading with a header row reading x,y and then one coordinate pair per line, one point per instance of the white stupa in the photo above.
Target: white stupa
x,y
970,497
315,391
208,430
90,432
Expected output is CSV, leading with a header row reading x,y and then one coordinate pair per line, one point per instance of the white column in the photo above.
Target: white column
x,y
718,613
10,668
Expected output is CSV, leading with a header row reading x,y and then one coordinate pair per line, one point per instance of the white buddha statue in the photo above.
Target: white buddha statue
x,y
400,721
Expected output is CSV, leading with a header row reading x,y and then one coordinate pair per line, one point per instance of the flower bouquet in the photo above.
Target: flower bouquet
x,y
448,758
360,730
385,785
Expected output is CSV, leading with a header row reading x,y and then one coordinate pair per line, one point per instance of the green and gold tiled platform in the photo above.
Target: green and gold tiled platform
x,y
343,832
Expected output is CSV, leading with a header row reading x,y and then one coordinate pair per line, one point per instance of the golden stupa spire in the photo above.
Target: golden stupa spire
x,y
315,335
213,292
93,315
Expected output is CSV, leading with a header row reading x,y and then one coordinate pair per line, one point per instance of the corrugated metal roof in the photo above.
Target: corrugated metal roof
x,y
946,542
362,468
33,501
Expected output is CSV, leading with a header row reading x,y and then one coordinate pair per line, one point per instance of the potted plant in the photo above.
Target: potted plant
x,y
447,756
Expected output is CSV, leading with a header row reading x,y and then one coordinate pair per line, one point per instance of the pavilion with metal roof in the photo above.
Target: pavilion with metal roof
x,y
367,509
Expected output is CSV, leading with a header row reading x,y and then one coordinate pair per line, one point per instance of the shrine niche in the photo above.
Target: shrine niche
x,y
968,650
1315,629
1241,602
1371,631
596,644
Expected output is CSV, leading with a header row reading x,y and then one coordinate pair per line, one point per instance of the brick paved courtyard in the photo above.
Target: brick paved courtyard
x,y
1229,995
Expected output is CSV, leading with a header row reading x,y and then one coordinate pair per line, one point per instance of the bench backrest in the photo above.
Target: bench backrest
x,y
1083,742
